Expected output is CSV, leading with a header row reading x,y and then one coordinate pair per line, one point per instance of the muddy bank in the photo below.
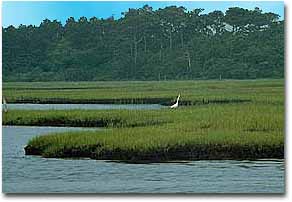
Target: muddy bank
x,y
55,122
161,101
211,101
197,152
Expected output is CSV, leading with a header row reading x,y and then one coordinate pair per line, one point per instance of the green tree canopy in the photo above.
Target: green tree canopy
x,y
147,44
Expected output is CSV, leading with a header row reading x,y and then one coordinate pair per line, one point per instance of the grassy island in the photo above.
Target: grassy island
x,y
217,120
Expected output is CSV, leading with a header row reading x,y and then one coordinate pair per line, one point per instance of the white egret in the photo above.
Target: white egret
x,y
5,108
175,105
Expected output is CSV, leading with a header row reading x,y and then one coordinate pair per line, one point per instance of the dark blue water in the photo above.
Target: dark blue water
x,y
32,174
84,106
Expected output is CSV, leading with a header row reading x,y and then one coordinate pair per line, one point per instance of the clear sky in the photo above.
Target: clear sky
x,y
16,13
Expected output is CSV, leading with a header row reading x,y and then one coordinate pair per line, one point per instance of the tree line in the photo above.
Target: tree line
x,y
147,44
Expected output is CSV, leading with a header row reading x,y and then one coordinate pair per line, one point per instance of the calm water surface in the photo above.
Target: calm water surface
x,y
35,174
83,106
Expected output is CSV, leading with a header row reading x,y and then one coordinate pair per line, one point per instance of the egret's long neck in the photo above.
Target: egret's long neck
x,y
177,99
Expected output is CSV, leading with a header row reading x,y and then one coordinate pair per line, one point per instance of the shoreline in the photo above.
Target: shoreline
x,y
157,156
159,101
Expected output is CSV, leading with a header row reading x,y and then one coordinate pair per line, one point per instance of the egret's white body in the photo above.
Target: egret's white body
x,y
175,105
5,108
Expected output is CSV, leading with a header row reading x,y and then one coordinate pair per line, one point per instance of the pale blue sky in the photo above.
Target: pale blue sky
x,y
16,13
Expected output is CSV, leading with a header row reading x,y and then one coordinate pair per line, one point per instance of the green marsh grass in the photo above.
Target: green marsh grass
x,y
206,132
234,130
127,92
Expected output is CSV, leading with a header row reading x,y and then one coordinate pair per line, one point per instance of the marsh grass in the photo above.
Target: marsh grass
x,y
85,118
144,92
214,130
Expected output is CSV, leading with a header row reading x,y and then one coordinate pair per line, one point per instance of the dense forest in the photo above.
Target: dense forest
x,y
147,44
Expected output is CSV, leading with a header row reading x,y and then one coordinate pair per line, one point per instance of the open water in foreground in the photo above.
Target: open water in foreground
x,y
33,174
